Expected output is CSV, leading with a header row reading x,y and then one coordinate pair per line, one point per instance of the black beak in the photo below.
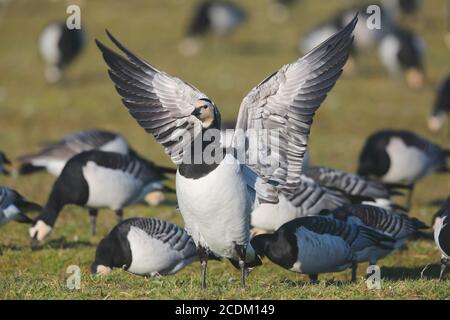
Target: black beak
x,y
34,243
197,112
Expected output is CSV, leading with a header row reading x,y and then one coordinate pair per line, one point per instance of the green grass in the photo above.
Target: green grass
x,y
32,112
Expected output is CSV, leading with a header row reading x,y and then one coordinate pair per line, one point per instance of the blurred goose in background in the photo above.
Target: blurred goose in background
x,y
13,206
217,17
53,157
356,188
216,199
314,245
279,10
402,53
3,162
396,225
441,107
401,157
146,247
365,39
97,179
442,235
59,46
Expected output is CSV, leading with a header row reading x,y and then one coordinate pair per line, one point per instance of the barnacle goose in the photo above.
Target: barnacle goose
x,y
53,157
358,189
396,225
98,179
3,162
211,16
441,107
145,246
314,245
402,52
401,157
442,235
216,199
59,46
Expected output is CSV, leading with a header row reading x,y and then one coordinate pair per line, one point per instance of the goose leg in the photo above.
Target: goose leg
x,y
242,252
444,262
354,269
203,256
119,214
93,219
409,197
314,278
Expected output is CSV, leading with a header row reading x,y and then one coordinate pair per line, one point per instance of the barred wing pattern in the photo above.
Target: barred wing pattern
x,y
285,104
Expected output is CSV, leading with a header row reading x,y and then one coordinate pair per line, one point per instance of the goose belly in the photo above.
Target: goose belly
x,y
109,187
408,164
270,217
150,256
321,253
216,208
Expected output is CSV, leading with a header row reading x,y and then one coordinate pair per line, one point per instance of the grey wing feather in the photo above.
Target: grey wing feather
x,y
286,103
160,103
348,183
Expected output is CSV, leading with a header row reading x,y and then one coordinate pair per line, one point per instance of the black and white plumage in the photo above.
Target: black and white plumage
x,y
314,245
216,17
4,161
146,247
441,107
309,199
402,52
401,157
442,235
216,199
59,46
53,157
97,179
13,206
396,225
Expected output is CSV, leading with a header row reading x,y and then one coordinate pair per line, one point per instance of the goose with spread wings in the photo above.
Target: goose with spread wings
x,y
217,197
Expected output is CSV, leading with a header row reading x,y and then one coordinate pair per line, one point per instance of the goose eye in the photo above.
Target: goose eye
x,y
205,106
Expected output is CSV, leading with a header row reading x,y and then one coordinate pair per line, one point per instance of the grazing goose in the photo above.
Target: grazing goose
x,y
211,16
309,199
442,235
59,46
441,107
216,188
396,225
402,52
401,157
53,157
98,179
146,247
314,245
356,188
4,161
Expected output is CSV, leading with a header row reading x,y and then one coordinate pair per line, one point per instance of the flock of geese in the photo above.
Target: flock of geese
x,y
307,219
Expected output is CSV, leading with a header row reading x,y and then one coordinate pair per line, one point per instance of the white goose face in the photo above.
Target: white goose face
x,y
204,111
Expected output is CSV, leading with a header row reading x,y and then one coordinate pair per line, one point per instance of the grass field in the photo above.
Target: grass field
x,y
33,112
